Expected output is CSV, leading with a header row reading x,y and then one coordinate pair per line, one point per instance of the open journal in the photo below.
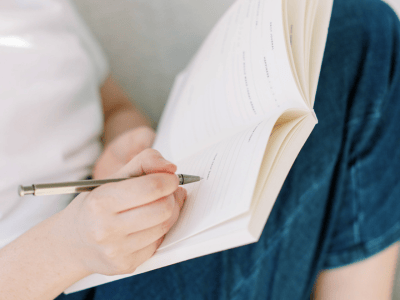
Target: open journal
x,y
238,116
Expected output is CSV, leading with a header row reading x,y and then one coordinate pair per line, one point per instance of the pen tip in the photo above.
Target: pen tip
x,y
185,179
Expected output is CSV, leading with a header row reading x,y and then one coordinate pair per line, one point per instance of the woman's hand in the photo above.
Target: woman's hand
x,y
122,149
127,130
111,230
118,226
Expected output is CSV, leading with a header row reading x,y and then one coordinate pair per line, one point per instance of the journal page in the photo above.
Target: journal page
x,y
294,16
229,169
318,41
240,76
307,23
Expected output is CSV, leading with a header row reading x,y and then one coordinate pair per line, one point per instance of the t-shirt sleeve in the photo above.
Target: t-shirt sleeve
x,y
91,44
368,220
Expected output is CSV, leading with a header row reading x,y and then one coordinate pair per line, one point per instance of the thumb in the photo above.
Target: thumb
x,y
146,162
131,143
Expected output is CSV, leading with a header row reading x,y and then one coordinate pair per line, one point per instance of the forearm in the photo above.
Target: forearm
x,y
121,121
38,265
120,114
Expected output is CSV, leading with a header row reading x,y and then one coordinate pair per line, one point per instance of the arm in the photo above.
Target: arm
x,y
111,230
126,130
120,115
51,256
369,279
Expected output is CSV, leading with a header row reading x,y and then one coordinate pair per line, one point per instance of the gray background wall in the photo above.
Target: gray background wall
x,y
149,42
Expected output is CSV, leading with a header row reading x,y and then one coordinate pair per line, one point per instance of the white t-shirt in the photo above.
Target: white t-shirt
x,y
51,70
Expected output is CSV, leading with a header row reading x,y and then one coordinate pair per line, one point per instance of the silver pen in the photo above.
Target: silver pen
x,y
80,186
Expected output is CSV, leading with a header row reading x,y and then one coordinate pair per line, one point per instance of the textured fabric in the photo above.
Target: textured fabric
x,y
51,116
340,201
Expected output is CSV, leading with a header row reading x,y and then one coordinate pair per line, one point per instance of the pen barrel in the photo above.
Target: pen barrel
x,y
75,187
72,187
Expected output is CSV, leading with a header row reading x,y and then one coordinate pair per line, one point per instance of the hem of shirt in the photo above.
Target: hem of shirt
x,y
363,251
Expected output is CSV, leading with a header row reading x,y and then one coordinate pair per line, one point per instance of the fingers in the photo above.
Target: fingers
x,y
117,244
142,138
147,162
131,261
160,182
151,214
106,165
124,195
141,239
122,149
132,142
126,218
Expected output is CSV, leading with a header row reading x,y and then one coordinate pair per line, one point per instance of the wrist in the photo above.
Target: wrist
x,y
121,121
39,264
66,244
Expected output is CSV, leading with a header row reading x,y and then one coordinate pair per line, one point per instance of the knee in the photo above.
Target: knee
x,y
371,19
364,33
362,52
379,19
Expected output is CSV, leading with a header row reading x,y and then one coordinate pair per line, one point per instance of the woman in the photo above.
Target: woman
x,y
342,211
